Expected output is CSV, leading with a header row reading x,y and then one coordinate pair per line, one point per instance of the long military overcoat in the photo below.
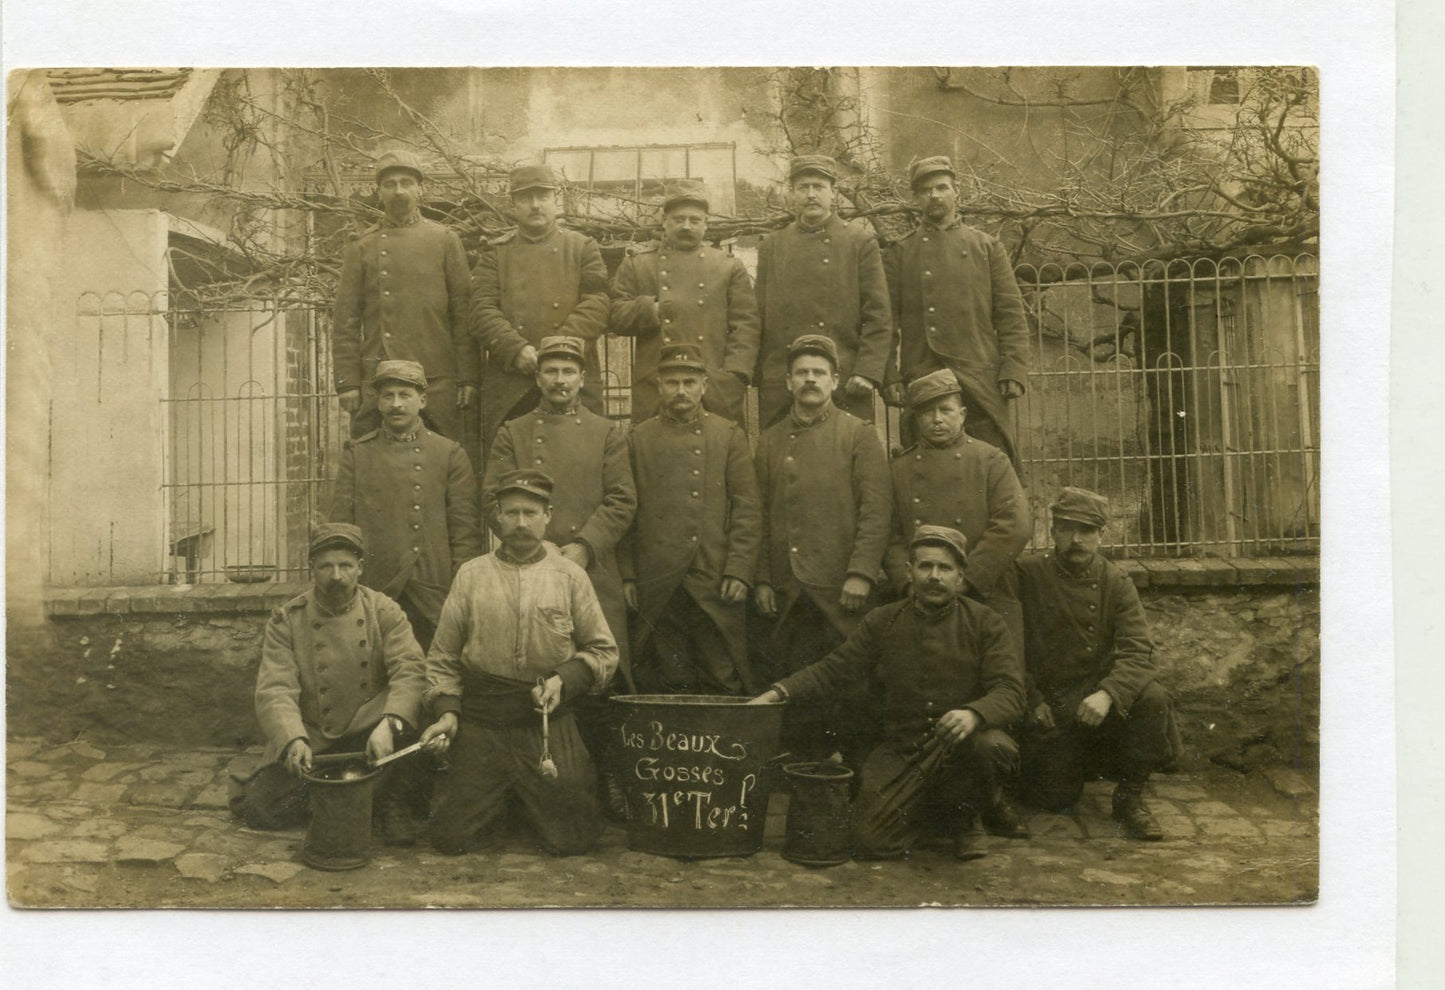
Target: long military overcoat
x,y
827,281
594,499
403,295
702,297
956,305
416,504
325,676
827,506
698,521
524,290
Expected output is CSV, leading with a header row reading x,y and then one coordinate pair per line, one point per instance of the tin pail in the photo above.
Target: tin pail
x,y
339,836
691,766
820,814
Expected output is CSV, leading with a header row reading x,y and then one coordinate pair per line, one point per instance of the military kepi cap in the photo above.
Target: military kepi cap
x,y
532,177
406,372
341,535
941,536
933,385
560,346
925,167
681,356
814,343
821,164
400,160
685,191
528,481
1082,506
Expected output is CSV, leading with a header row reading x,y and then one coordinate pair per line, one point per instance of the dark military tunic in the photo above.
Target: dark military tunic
x,y
594,499
956,305
826,508
1083,633
323,676
969,486
705,299
404,295
416,504
699,520
827,281
525,289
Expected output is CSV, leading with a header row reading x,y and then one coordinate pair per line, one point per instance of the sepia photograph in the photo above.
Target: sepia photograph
x,y
667,487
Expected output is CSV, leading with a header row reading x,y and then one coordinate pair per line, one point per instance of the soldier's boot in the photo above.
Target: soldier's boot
x,y
969,840
398,827
1003,818
1131,812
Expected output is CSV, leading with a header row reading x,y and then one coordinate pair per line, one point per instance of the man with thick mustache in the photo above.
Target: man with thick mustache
x,y
956,305
685,292
821,275
1094,702
403,296
827,507
340,672
414,495
536,281
520,634
690,557
947,683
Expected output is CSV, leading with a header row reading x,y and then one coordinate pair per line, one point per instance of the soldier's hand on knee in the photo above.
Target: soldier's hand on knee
x,y
766,601
381,742
855,593
954,726
298,757
1094,708
435,738
1043,715
350,400
733,591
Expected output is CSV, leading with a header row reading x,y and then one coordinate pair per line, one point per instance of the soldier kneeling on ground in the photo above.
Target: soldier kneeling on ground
x,y
1094,703
340,672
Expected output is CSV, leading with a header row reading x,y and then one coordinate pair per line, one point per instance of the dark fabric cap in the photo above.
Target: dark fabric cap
x,y
532,177
403,160
1082,506
408,372
814,343
681,356
813,163
685,191
560,346
941,536
337,534
925,167
529,481
933,385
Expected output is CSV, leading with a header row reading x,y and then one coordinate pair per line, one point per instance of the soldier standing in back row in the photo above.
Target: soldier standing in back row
x,y
403,295
685,292
414,496
537,281
689,559
956,305
821,275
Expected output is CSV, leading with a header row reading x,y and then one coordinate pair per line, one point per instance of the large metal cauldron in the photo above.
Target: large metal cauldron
x,y
339,836
692,769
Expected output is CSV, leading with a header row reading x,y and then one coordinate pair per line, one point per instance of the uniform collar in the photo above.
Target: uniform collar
x,y
387,221
809,229
956,441
932,613
330,612
1089,570
507,558
545,409
957,221
538,238
821,418
403,437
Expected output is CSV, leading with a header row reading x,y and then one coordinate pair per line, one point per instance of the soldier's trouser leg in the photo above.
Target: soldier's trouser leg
x,y
422,626
484,763
690,653
644,398
802,635
1052,766
273,799
441,412
774,401
562,810
726,395
887,823
975,771
1145,737
1005,602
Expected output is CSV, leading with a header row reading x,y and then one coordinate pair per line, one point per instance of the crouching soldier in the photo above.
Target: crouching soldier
x,y
1094,704
520,635
340,672
950,681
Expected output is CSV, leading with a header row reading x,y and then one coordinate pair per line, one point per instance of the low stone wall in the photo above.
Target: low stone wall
x,y
178,665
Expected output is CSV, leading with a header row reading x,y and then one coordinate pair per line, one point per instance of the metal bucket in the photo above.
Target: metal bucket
x,y
691,767
820,814
339,836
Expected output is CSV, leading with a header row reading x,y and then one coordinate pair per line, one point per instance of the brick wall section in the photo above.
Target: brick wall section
x,y
1237,643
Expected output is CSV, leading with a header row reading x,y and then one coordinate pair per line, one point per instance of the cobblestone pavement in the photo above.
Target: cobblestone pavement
x,y
139,826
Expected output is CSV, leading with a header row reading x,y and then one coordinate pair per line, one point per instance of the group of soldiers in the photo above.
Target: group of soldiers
x,y
884,601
